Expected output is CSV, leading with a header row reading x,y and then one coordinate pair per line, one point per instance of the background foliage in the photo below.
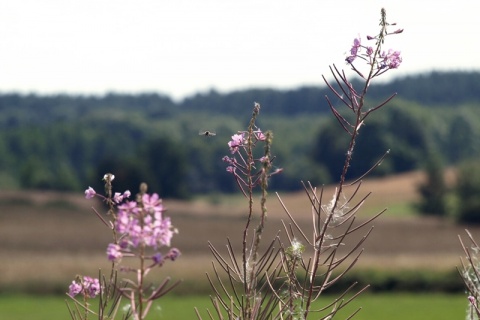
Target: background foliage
x,y
65,142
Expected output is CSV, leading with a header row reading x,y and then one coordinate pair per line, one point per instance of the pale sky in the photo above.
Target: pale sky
x,y
181,47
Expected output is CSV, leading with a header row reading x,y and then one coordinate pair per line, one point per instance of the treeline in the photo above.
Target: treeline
x,y
68,142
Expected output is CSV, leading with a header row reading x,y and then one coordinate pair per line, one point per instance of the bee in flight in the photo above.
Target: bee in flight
x,y
207,133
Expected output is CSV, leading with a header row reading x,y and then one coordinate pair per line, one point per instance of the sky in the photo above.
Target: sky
x,y
182,47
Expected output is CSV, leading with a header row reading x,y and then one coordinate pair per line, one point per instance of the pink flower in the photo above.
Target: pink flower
x,y
74,289
354,50
237,141
355,47
391,59
113,252
90,193
117,197
394,59
91,286
130,207
259,135
141,226
152,203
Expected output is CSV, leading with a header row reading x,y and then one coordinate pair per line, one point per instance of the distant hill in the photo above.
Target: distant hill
x,y
434,88
431,89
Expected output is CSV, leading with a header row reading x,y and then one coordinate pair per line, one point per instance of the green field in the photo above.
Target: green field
x,y
374,307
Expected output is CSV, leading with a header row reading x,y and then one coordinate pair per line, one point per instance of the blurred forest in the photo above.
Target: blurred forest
x,y
67,143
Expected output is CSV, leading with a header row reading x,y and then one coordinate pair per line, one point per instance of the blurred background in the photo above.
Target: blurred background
x,y
89,88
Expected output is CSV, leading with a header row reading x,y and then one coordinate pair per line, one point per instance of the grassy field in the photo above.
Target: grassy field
x,y
374,307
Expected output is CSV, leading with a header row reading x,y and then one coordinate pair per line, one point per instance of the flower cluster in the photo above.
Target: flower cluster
x,y
140,230
239,168
379,61
236,142
239,139
387,60
391,59
141,224
88,286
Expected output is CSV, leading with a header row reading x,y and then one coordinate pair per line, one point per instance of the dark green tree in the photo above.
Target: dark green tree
x,y
468,192
166,164
461,139
433,191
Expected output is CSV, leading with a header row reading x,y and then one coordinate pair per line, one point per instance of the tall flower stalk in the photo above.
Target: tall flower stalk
x,y
140,232
284,283
250,169
334,220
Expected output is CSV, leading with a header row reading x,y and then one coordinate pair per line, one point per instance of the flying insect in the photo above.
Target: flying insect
x,y
207,133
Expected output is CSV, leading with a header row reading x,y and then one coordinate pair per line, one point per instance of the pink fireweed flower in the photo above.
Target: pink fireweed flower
x,y
152,203
124,221
259,135
356,46
118,197
236,142
91,286
74,289
231,169
391,59
369,51
164,232
114,252
354,50
144,226
90,193
394,59
129,207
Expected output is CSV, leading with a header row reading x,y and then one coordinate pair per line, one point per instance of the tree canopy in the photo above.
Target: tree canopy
x,y
65,142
